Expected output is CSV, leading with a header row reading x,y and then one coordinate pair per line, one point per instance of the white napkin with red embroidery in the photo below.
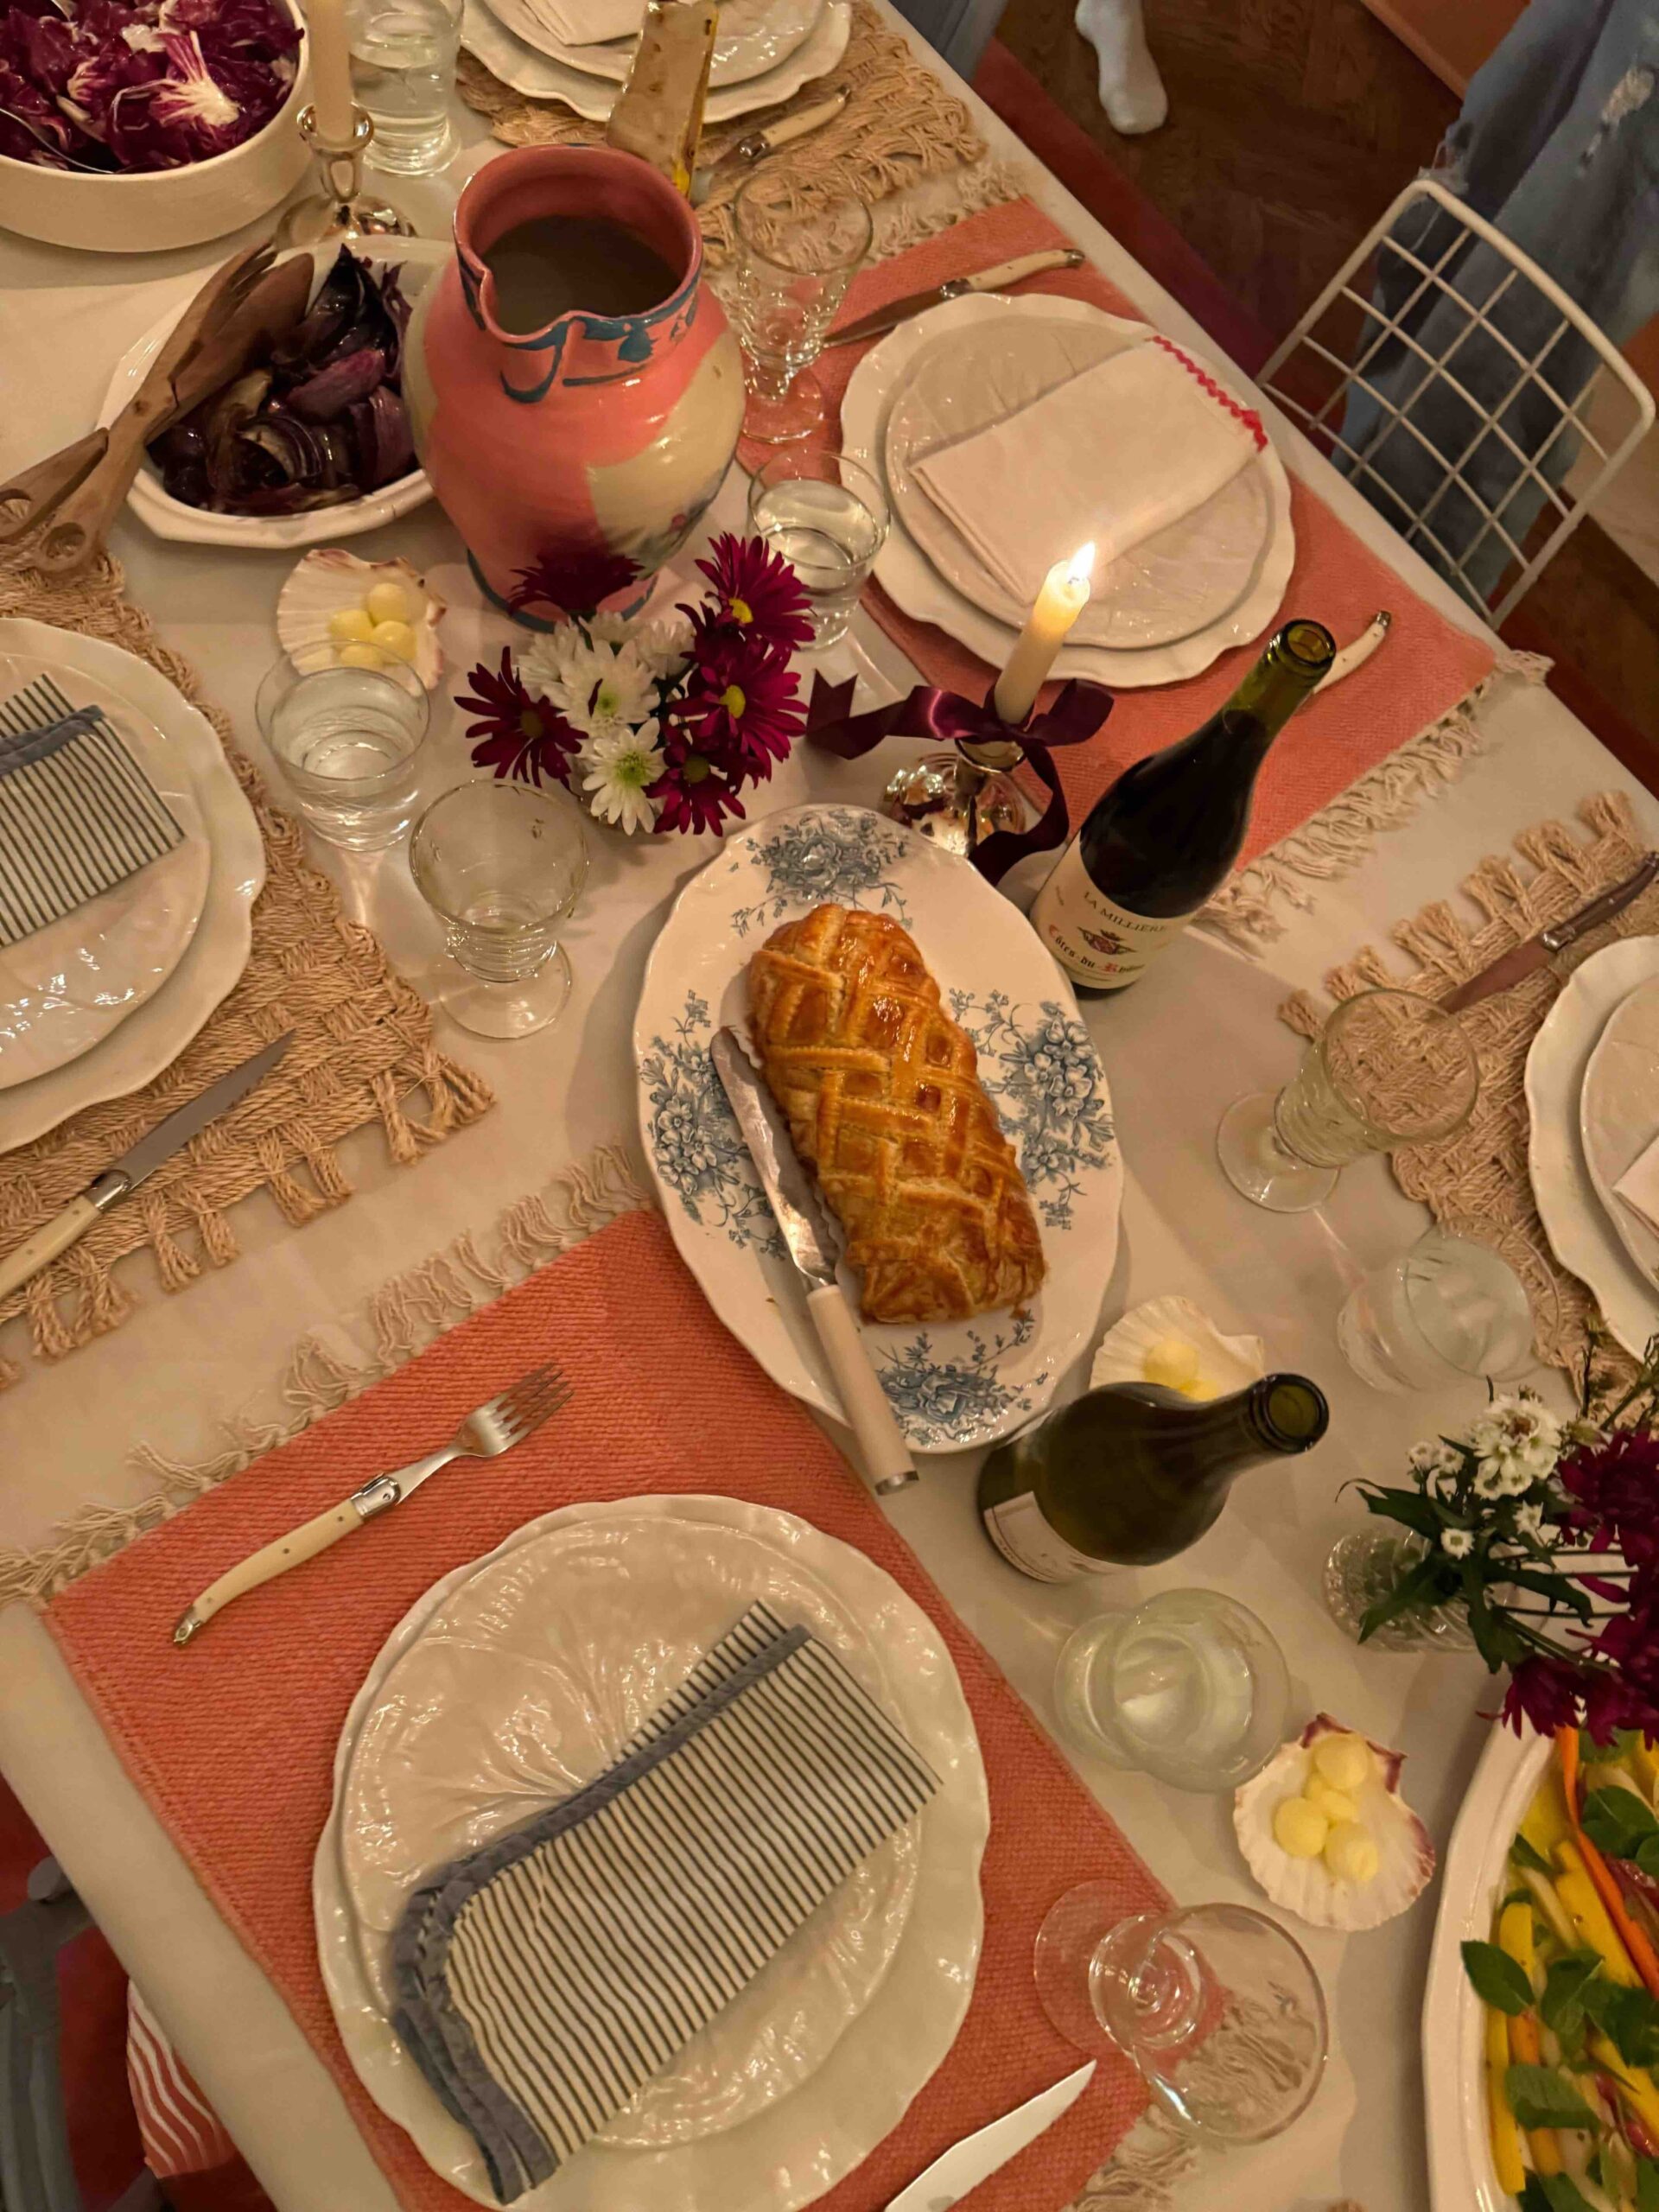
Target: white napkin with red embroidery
x,y
1114,456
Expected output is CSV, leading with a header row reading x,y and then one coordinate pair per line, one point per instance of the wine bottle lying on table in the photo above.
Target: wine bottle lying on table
x,y
1133,1473
1164,838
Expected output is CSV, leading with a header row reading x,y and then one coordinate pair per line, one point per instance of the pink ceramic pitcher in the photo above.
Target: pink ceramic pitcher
x,y
584,452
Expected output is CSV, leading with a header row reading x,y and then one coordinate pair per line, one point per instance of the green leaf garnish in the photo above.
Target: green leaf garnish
x,y
1499,1981
1523,1855
1619,1822
1554,2193
1647,2186
1628,2017
1561,2007
1540,2097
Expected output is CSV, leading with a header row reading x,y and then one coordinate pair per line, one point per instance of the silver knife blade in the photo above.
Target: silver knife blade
x,y
782,1177
179,1125
1512,967
954,287
973,2160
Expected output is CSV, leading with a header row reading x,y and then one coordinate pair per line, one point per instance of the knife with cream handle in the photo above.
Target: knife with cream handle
x,y
863,1401
978,2156
956,288
757,144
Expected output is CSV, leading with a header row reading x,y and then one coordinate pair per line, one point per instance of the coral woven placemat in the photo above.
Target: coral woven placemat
x,y
900,128
1481,1174
362,1054
1387,735
676,1405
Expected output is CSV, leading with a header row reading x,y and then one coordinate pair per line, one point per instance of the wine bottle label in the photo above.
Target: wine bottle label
x,y
1094,938
1023,1534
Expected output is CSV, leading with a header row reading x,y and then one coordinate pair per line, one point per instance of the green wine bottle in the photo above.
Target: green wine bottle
x,y
1133,1473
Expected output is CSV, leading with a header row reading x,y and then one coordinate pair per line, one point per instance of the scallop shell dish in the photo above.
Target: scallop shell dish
x,y
1172,1342
1326,1831
338,612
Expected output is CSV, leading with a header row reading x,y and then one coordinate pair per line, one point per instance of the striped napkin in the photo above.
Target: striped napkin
x,y
78,816
546,1978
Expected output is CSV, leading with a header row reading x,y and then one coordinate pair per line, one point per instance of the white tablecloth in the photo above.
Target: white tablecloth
x,y
1200,1029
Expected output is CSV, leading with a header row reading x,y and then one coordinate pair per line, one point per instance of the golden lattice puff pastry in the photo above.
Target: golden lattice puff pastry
x,y
882,1092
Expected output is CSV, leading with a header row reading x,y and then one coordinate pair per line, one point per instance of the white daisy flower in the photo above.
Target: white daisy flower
x,y
617,768
1457,1544
599,688
1529,1521
1491,1479
1436,1462
1520,1438
664,646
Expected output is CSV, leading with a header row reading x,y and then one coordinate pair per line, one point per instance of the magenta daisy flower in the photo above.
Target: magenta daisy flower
x,y
756,591
521,734
697,787
575,580
741,698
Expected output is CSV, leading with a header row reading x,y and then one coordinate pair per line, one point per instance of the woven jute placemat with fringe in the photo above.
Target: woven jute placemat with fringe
x,y
362,1055
901,131
1481,1174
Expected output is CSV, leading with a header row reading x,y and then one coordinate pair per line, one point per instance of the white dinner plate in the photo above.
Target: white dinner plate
x,y
798,2136
1580,1234
915,583
171,518
1461,2175
753,37
1619,1115
154,1035
1180,579
63,989
951,1383
508,58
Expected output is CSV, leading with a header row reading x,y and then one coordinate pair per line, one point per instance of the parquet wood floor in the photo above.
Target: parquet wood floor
x,y
1292,124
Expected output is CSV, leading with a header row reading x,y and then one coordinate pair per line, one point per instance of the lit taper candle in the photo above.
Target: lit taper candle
x,y
330,71
1062,599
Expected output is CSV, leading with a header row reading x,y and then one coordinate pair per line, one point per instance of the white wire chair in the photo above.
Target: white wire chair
x,y
1460,402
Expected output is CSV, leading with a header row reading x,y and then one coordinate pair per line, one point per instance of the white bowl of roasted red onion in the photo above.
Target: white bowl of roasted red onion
x,y
312,441
130,125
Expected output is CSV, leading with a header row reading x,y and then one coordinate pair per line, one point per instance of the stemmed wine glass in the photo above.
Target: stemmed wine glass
x,y
1216,2005
1387,1069
798,245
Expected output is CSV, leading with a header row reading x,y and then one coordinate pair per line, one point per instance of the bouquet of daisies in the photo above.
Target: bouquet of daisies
x,y
656,726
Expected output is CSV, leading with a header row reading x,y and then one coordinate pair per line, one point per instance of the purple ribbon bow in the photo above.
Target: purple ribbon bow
x,y
936,717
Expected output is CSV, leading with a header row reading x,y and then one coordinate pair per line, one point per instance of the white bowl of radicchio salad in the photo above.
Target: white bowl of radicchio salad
x,y
130,125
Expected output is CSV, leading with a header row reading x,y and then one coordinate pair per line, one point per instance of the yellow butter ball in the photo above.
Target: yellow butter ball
x,y
1300,1829
1344,1762
1351,1852
1174,1364
360,655
396,638
350,626
388,603
1336,1804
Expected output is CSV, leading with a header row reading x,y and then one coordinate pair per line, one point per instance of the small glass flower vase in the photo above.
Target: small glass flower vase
x,y
1363,1569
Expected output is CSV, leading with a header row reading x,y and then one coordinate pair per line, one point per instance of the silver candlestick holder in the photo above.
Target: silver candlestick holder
x,y
341,210
960,795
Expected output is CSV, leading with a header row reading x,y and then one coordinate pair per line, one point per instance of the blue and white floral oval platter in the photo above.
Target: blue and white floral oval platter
x,y
952,1384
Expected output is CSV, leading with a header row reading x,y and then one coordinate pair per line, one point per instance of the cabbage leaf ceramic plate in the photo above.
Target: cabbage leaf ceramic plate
x,y
558,1644
952,1384
1580,1234
1619,1115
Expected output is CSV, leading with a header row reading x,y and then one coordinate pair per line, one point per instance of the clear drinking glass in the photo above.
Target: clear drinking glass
x,y
797,245
1460,1302
1387,1069
1216,2006
347,742
1190,1687
501,865
827,515
403,75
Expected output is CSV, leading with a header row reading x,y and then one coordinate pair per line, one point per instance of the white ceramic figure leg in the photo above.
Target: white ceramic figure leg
x,y
1131,91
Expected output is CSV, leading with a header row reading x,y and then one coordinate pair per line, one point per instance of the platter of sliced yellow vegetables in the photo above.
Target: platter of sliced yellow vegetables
x,y
1541,2024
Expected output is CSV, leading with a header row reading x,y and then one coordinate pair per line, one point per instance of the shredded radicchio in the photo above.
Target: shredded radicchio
x,y
321,422
137,85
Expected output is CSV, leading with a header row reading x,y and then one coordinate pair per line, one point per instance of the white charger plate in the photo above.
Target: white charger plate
x,y
1461,2176
792,2148
1580,1234
1182,579
171,518
63,987
156,1033
753,37
916,585
952,1384
515,63
1619,1115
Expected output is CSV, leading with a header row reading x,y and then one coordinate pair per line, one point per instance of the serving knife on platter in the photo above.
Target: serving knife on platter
x,y
978,2156
864,1402
1520,961
999,279
124,1177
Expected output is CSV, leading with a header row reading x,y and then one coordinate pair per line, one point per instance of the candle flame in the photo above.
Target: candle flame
x,y
1083,565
